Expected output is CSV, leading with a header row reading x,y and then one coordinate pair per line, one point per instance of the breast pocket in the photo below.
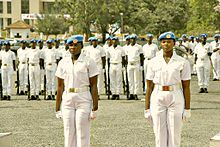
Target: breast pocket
x,y
157,71
81,71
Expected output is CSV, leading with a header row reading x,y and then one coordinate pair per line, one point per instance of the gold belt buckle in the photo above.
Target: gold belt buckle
x,y
5,64
49,63
23,62
167,88
32,64
73,90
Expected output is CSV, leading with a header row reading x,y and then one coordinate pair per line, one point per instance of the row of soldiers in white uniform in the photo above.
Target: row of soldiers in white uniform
x,y
36,68
118,66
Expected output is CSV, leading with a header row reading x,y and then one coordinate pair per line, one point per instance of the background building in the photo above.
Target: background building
x,y
27,10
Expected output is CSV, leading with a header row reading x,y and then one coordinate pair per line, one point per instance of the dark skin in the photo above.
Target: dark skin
x,y
167,46
75,50
115,44
95,44
217,42
7,48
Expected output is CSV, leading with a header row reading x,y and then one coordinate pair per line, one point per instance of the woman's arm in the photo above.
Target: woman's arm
x,y
186,93
60,89
150,86
94,92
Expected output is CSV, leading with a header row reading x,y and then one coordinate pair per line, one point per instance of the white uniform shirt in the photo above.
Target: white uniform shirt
x,y
192,46
7,57
215,45
150,50
76,75
95,53
50,55
22,55
171,73
133,53
34,55
115,54
202,51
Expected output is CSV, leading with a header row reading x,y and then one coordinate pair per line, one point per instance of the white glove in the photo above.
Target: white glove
x,y
93,115
186,114
59,115
147,116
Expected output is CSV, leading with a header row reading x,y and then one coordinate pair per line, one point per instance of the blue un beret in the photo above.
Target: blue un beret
x,y
191,37
49,41
74,39
22,41
6,42
115,38
93,39
65,40
109,38
167,35
183,35
33,41
204,35
127,37
150,35
133,36
217,36
40,41
57,39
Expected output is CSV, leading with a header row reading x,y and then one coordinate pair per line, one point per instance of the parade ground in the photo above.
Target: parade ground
x,y
120,123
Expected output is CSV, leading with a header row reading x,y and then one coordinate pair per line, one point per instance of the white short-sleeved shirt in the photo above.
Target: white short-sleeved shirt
x,y
76,75
95,53
50,55
133,53
171,73
7,57
115,54
150,50
34,56
22,55
192,46
202,52
215,45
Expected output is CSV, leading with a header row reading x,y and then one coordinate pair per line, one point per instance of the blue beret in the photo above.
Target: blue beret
x,y
57,39
33,41
150,35
6,42
40,41
191,37
22,41
115,38
183,35
133,36
167,35
204,35
49,41
180,39
217,36
197,37
77,38
65,40
109,38
1,42
93,39
127,37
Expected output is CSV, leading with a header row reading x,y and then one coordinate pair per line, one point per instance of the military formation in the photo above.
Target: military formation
x,y
122,68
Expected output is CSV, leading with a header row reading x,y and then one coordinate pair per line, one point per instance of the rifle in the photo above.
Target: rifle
x,y
127,83
45,90
17,82
28,86
123,82
105,82
1,85
143,77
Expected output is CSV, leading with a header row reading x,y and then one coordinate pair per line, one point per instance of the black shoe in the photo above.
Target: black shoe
x,y
9,98
26,92
49,97
201,90
37,98
21,93
5,97
32,97
53,97
117,97
205,90
131,97
136,97
113,97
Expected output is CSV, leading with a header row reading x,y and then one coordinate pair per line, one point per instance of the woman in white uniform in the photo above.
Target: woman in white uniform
x,y
77,89
167,98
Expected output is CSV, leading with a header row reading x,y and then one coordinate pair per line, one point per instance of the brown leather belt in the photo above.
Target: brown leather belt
x,y
78,90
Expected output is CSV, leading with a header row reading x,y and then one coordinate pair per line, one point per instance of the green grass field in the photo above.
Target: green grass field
x,y
119,123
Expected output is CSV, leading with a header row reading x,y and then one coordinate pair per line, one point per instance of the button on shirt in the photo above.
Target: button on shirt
x,y
76,75
115,54
150,50
171,73
7,57
133,53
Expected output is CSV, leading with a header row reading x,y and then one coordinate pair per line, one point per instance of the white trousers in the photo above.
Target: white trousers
x,y
203,74
51,79
76,111
146,62
23,77
167,109
100,80
34,77
42,73
7,72
216,66
115,73
134,78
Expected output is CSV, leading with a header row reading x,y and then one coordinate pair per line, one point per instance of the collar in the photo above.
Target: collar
x,y
173,58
